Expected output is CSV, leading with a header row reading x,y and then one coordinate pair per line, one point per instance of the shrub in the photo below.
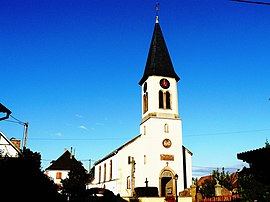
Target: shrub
x,y
146,191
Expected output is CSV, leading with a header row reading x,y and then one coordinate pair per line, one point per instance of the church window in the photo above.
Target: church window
x,y
164,100
160,96
110,169
104,172
128,182
145,102
168,100
144,130
58,175
99,174
166,128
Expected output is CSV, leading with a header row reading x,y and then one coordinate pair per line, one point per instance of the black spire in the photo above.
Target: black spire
x,y
158,62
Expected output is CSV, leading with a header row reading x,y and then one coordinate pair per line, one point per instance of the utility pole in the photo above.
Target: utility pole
x,y
25,134
90,164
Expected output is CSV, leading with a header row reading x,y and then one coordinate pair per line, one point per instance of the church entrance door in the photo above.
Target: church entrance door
x,y
166,183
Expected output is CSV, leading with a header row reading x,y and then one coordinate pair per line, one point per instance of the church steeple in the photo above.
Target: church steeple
x,y
158,61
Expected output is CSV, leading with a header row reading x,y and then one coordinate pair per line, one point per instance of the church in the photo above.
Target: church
x,y
156,157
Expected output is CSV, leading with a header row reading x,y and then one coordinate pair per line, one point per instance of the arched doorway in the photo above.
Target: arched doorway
x,y
167,183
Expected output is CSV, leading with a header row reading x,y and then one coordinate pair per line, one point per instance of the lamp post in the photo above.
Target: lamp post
x,y
176,178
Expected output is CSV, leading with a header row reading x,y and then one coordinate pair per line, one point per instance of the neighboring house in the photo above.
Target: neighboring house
x,y
233,180
258,160
156,156
9,147
59,168
221,192
203,179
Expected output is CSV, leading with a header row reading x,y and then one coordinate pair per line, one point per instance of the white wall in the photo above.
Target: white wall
x,y
153,94
6,149
52,175
148,148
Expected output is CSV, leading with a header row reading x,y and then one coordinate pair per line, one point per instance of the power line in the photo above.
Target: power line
x,y
90,161
16,120
112,138
13,121
75,139
253,2
25,132
213,167
77,159
226,133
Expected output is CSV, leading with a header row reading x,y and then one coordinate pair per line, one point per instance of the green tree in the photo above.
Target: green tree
x,y
224,179
75,184
92,174
250,188
22,178
267,145
208,188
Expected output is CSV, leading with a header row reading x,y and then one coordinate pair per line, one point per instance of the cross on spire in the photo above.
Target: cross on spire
x,y
157,9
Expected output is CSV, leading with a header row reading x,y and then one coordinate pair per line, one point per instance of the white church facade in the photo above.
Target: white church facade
x,y
156,155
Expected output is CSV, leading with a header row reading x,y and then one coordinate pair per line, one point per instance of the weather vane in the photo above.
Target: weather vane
x,y
157,9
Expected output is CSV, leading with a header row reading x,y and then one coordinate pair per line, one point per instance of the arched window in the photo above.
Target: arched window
x,y
145,102
164,100
128,182
104,179
110,169
161,100
168,100
144,130
166,128
99,174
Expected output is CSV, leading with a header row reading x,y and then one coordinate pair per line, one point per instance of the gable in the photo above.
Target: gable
x,y
7,148
64,162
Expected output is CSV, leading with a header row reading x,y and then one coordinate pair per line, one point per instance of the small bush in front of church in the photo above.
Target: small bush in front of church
x,y
146,191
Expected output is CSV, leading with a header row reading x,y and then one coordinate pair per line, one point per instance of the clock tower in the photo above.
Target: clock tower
x,y
159,81
156,157
161,126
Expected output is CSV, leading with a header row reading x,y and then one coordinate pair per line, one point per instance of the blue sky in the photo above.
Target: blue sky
x,y
71,69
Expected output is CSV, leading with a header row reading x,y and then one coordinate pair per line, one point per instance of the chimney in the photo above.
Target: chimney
x,y
70,152
16,143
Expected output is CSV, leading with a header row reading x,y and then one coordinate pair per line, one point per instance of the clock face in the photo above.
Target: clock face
x,y
164,83
167,143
